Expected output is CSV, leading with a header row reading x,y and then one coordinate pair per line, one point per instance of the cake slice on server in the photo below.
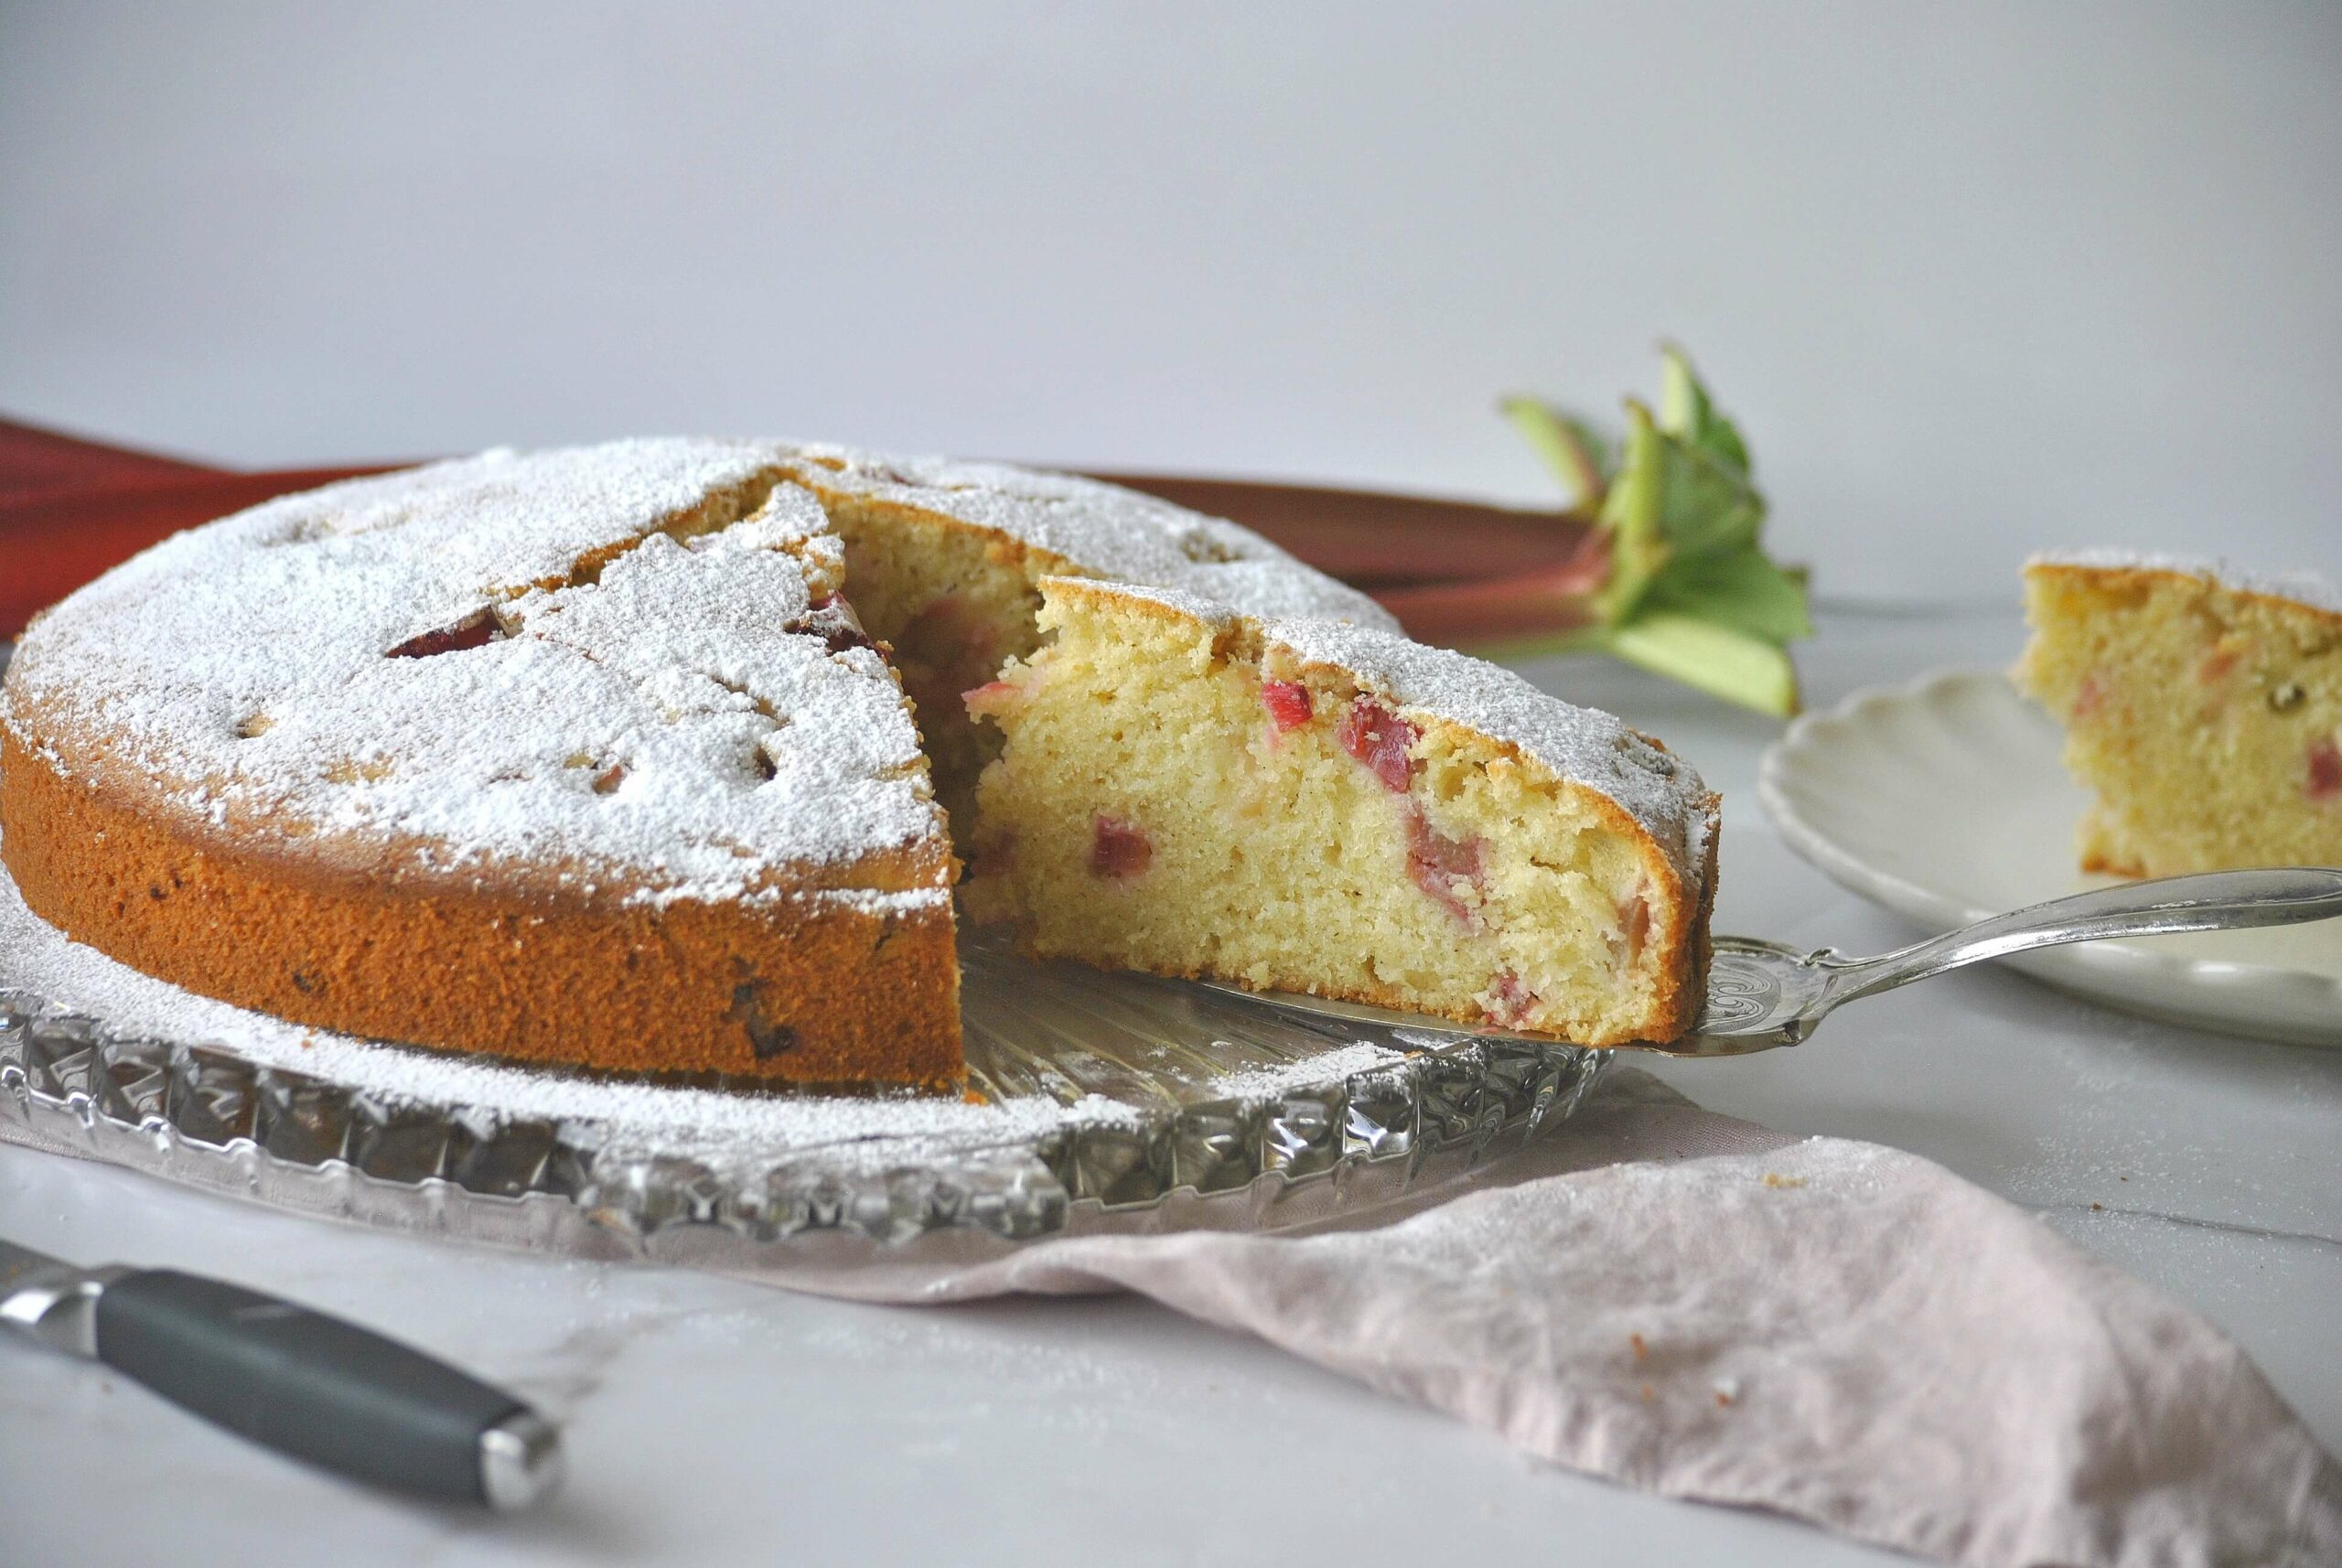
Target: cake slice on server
x,y
1305,805
2202,707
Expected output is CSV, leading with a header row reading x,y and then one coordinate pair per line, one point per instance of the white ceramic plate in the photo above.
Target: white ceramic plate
x,y
1945,801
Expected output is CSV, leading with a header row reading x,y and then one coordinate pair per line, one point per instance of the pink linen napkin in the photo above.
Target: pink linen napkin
x,y
1833,1330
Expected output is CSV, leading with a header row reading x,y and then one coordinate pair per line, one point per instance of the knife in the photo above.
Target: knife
x,y
304,1384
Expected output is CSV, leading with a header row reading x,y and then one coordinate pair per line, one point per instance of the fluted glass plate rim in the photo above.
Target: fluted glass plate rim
x,y
1305,1152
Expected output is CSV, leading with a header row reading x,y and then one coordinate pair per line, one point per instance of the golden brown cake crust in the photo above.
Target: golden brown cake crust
x,y
804,990
1691,943
2115,577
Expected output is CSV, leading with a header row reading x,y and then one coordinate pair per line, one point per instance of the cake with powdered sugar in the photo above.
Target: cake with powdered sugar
x,y
650,756
2202,707
1302,804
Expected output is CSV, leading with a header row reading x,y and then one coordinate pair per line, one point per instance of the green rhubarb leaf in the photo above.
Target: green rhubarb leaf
x,y
1691,593
1717,660
1738,588
1704,507
1631,512
1576,453
1686,410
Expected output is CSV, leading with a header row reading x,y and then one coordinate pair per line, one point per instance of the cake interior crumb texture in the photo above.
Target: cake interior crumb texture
x,y
1186,790
2202,710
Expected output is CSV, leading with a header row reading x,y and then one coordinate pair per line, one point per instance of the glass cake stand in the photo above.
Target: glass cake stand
x,y
1117,1103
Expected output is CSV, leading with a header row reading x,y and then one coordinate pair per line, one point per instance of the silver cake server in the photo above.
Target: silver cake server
x,y
303,1383
1762,994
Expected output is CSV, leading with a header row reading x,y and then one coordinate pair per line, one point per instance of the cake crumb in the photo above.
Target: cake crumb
x,y
1775,1178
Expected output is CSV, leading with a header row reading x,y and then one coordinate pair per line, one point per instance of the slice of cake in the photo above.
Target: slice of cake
x,y
2203,709
1297,804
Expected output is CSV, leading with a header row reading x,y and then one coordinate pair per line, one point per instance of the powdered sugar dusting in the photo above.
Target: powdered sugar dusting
x,y
612,662
2300,585
1365,1055
620,728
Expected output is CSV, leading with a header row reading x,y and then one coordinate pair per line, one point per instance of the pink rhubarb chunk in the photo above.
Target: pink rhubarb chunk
x,y
1634,924
1381,739
1117,849
991,697
2089,698
2324,769
477,630
1287,702
1510,1003
1438,863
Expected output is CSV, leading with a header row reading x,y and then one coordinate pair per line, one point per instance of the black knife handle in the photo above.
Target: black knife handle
x,y
306,1384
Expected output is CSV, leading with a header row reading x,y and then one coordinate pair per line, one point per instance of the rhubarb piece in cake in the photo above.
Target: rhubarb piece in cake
x,y
1300,804
2202,706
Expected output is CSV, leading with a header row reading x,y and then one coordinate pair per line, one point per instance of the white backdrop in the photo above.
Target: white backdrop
x,y
1977,278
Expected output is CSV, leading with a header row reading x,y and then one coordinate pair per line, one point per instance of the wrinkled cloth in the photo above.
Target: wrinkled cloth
x,y
1832,1330
1698,1306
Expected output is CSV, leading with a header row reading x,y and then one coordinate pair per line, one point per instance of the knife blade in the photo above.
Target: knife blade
x,y
308,1385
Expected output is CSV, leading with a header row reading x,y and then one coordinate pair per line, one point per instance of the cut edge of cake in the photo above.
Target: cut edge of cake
x,y
1301,804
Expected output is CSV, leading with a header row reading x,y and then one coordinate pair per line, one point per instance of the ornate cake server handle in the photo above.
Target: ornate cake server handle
x,y
1762,994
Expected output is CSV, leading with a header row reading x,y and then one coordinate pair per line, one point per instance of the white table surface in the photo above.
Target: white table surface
x,y
714,1422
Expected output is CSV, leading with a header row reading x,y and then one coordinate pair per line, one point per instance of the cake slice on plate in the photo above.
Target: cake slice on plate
x,y
2202,706
1302,805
